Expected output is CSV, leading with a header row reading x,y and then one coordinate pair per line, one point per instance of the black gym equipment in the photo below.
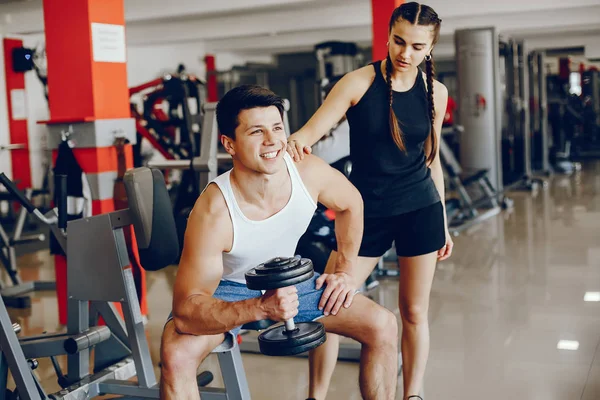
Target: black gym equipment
x,y
565,120
291,338
516,143
538,111
588,144
247,74
167,119
477,199
334,60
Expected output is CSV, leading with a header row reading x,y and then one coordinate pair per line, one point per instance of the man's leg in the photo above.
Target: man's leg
x,y
181,355
376,329
322,360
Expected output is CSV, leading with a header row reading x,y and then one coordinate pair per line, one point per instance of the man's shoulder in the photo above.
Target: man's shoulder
x,y
210,204
310,168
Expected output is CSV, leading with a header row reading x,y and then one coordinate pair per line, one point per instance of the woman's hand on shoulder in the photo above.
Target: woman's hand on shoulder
x,y
297,148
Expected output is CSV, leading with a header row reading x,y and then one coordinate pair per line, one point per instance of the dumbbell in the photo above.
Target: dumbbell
x,y
291,338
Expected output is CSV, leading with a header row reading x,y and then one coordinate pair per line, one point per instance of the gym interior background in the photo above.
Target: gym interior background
x,y
515,312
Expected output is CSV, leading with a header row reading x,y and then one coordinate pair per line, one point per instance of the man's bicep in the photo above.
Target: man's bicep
x,y
201,265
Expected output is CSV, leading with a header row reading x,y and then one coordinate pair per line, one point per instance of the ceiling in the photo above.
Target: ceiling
x,y
271,26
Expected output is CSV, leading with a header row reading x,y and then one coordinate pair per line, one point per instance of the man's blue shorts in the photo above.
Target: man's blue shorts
x,y
308,296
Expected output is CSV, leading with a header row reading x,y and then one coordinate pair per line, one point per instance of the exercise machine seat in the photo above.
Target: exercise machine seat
x,y
152,216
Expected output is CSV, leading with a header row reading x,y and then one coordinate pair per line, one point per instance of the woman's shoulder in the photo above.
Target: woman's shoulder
x,y
440,91
364,74
358,82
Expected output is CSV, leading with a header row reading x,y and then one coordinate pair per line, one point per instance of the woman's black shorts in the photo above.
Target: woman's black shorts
x,y
415,233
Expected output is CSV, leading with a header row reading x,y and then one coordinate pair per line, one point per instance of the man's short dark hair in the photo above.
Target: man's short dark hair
x,y
241,98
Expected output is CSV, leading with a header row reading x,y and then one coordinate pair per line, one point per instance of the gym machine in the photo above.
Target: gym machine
x,y
495,137
171,120
589,144
170,115
540,158
250,73
565,121
516,143
15,295
18,354
334,60
99,275
464,212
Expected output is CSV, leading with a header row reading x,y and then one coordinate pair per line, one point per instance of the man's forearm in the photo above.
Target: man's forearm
x,y
206,315
348,233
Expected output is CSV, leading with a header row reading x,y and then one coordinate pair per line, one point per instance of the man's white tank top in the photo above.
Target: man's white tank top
x,y
255,242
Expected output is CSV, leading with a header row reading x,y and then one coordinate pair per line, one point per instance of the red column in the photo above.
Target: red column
x,y
382,11
88,90
17,116
211,78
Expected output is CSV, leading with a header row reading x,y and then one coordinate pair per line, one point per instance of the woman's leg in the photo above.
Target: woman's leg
x,y
416,278
322,360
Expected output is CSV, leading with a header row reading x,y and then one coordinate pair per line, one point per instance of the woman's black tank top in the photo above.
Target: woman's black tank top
x,y
391,181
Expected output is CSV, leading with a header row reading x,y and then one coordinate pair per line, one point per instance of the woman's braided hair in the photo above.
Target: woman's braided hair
x,y
419,14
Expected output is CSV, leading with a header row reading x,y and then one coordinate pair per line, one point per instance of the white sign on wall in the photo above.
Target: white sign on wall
x,y
108,43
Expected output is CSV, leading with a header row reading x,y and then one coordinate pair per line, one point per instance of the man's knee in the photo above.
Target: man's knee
x,y
182,354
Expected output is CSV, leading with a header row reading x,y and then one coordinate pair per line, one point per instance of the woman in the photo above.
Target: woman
x,y
395,112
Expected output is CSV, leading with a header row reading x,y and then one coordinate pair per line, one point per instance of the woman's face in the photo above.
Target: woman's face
x,y
409,44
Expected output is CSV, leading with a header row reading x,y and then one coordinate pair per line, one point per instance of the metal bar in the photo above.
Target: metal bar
x,y
524,106
133,391
17,363
5,254
78,365
207,162
11,146
44,347
170,164
90,388
126,388
543,114
234,377
121,218
3,376
133,317
59,235
113,319
50,218
22,216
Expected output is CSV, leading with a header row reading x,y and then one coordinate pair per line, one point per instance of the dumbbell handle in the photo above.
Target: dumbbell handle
x,y
290,325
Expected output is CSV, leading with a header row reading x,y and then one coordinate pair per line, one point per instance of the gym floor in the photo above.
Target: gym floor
x,y
513,289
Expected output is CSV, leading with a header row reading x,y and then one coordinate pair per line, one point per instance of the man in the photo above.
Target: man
x,y
254,212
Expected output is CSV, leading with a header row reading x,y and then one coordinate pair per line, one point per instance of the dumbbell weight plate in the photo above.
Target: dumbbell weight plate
x,y
272,276
278,342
